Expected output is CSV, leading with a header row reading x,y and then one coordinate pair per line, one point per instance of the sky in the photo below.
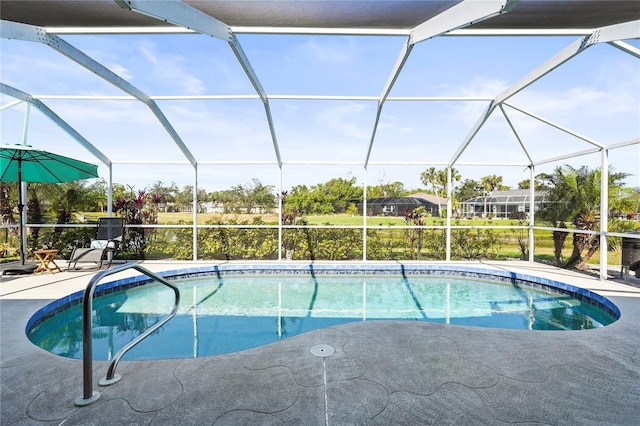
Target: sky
x,y
596,94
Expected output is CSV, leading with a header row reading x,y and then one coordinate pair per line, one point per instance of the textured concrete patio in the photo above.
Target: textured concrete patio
x,y
382,372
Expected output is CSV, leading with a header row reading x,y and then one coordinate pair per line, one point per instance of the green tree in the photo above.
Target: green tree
x,y
468,189
336,195
184,198
256,195
574,196
167,192
96,196
226,198
34,213
65,199
539,182
300,199
389,189
488,185
6,211
437,180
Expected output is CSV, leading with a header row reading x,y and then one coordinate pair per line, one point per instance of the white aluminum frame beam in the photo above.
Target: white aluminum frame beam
x,y
248,69
320,31
623,144
626,30
626,47
402,59
601,35
473,132
25,97
567,156
24,32
557,126
515,133
185,16
10,105
271,97
461,15
181,15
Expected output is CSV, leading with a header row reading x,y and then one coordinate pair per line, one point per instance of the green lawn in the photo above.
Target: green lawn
x,y
334,219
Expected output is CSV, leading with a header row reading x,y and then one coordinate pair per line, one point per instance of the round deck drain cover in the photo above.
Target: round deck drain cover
x,y
322,350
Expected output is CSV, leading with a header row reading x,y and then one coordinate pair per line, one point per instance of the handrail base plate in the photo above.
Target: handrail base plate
x,y
81,401
106,382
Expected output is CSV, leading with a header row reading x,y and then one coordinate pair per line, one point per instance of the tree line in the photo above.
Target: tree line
x,y
337,195
572,201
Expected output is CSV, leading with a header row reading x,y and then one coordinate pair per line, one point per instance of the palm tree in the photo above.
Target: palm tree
x,y
574,196
437,179
489,183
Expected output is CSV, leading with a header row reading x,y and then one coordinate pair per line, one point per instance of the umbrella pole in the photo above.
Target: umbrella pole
x,y
21,211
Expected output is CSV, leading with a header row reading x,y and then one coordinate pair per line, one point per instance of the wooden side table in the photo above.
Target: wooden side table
x,y
47,258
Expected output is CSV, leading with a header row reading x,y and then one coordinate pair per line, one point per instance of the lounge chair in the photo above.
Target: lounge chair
x,y
104,247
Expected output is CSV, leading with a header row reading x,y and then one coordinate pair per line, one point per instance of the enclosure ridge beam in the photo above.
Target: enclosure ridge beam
x,y
463,32
25,97
37,34
622,31
459,16
180,14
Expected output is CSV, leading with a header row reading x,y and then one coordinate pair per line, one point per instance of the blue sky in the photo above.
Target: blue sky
x,y
596,94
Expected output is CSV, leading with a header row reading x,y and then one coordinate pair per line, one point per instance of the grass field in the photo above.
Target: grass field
x,y
337,219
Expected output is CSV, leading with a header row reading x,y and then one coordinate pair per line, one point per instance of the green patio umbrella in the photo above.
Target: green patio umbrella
x,y
22,163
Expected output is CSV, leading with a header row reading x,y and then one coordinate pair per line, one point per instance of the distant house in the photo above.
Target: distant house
x,y
210,207
434,200
398,206
502,204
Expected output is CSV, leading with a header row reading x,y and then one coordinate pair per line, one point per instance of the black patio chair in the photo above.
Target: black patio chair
x,y
103,248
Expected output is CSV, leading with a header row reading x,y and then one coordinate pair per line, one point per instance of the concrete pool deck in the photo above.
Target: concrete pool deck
x,y
382,372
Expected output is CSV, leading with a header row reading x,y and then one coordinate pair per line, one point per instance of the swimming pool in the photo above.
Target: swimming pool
x,y
229,308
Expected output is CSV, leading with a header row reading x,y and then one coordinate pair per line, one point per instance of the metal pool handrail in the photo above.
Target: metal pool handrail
x,y
89,395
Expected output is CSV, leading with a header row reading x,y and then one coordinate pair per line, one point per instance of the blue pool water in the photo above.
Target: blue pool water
x,y
222,314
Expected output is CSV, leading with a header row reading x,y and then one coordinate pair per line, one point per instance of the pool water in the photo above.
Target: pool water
x,y
222,315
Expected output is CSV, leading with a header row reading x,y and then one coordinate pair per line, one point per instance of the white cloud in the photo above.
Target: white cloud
x,y
121,71
477,86
347,120
169,69
339,52
588,100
